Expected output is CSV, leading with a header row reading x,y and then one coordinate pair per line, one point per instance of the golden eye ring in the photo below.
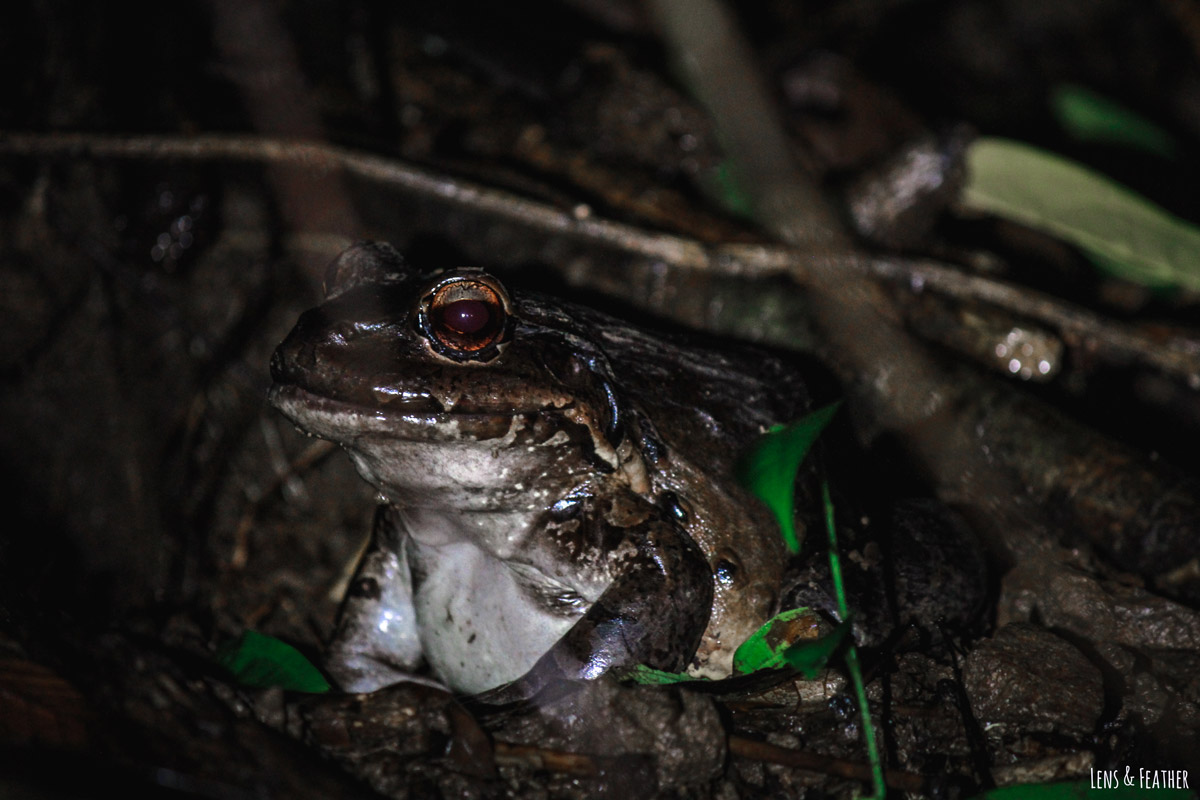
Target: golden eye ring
x,y
466,316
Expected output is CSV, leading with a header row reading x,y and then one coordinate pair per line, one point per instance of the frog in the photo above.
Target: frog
x,y
557,486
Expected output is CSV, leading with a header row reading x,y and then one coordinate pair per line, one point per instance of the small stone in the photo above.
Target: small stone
x,y
1025,675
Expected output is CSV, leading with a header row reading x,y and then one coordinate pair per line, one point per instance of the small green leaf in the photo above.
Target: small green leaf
x,y
642,674
1091,117
811,657
769,468
1081,790
785,642
1144,243
260,661
765,648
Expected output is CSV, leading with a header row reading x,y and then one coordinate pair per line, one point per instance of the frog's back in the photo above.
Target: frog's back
x,y
708,402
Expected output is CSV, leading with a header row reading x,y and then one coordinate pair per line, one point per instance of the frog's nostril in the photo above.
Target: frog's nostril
x,y
276,365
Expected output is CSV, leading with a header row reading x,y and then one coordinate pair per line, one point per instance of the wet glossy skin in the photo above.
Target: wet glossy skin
x,y
557,484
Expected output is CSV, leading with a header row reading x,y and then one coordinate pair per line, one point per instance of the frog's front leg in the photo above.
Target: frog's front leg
x,y
654,613
376,642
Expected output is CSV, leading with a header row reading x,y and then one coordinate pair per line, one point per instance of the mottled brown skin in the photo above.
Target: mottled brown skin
x,y
560,501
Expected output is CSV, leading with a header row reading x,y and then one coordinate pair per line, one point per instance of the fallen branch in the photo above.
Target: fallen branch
x,y
825,765
1176,353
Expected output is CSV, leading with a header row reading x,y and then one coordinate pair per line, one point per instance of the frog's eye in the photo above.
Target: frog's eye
x,y
465,316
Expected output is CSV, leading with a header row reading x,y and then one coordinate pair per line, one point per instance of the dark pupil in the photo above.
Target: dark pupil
x,y
466,316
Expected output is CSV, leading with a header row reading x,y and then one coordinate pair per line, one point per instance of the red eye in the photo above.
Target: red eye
x,y
465,316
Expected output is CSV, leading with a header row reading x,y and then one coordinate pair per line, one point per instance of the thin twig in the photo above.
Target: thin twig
x,y
825,765
674,250
545,759
582,764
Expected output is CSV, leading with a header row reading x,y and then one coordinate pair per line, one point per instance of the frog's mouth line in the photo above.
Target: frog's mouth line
x,y
419,419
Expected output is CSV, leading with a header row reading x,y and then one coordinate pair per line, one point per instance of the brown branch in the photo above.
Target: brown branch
x,y
318,157
527,755
1176,353
826,765
542,758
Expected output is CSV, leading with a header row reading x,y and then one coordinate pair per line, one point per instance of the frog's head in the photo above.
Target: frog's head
x,y
447,389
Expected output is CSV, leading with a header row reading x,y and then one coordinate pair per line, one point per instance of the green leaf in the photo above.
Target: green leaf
x,y
785,641
765,647
1081,790
782,642
262,661
769,468
642,674
1145,243
1091,117
811,657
